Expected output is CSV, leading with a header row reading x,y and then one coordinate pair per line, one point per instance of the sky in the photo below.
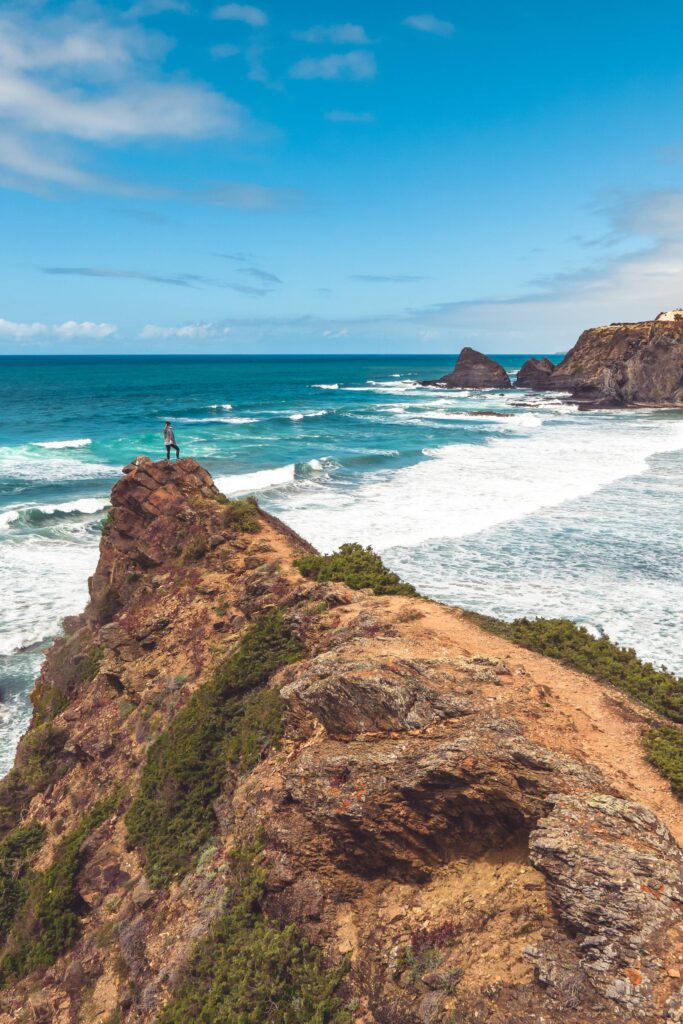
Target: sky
x,y
336,177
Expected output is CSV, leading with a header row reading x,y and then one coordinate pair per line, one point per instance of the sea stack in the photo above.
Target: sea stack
x,y
534,374
473,370
634,364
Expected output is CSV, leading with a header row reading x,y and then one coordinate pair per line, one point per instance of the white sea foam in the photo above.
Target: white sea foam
x,y
307,415
82,506
245,483
226,407
465,488
80,442
25,463
326,387
43,580
216,419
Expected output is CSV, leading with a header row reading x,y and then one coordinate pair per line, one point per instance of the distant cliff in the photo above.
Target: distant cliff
x,y
251,793
625,364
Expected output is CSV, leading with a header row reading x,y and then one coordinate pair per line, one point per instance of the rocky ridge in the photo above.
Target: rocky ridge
x,y
466,829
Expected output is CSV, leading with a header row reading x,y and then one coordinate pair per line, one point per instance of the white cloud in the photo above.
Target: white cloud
x,y
11,329
93,79
197,330
86,329
349,117
429,23
69,329
347,33
357,64
253,16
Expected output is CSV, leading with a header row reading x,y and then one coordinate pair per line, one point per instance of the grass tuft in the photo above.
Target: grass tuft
x,y
242,515
253,970
40,761
227,724
15,851
358,567
664,750
47,922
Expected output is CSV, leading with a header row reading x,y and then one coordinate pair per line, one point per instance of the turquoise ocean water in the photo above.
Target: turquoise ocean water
x,y
539,511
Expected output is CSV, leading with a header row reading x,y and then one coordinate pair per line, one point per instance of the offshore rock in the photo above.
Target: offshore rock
x,y
473,370
535,373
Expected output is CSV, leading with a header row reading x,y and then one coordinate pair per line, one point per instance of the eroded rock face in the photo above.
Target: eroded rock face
x,y
535,374
625,364
473,370
420,813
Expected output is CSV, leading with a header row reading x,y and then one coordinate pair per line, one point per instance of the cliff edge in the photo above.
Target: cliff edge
x,y
250,796
625,365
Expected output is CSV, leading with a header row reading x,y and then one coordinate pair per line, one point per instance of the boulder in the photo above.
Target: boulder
x,y
534,374
473,370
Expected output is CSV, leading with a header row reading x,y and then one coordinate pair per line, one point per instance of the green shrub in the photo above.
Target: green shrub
x,y
242,515
356,566
664,750
47,922
40,761
252,970
195,547
68,671
596,656
15,851
227,724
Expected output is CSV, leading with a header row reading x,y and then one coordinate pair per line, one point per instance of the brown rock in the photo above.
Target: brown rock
x,y
535,374
625,364
473,370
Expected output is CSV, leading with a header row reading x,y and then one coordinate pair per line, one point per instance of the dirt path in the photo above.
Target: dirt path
x,y
578,715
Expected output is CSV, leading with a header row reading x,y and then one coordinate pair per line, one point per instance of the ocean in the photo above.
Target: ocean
x,y
510,503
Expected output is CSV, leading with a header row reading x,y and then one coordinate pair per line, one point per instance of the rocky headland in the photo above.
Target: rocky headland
x,y
473,370
250,795
622,365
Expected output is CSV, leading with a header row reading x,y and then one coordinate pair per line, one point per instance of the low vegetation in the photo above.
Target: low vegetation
x,y
40,761
46,921
358,567
69,670
252,969
241,515
664,750
609,663
15,852
227,724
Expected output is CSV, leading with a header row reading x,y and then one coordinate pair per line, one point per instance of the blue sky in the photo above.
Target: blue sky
x,y
336,177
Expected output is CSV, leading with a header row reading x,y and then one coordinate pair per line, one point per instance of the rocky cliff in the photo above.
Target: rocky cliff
x,y
625,364
535,373
249,796
473,370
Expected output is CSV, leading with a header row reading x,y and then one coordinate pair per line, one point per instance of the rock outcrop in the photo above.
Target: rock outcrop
x,y
446,817
638,364
473,370
535,373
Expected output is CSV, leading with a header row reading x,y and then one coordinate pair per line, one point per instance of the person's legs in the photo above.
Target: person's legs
x,y
177,451
168,452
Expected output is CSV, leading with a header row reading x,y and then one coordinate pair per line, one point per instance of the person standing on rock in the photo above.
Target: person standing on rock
x,y
169,441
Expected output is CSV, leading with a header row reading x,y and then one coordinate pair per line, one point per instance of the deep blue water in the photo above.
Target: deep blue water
x,y
540,510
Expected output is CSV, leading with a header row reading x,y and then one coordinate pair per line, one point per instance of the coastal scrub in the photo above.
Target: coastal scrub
x,y
251,968
358,567
228,723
